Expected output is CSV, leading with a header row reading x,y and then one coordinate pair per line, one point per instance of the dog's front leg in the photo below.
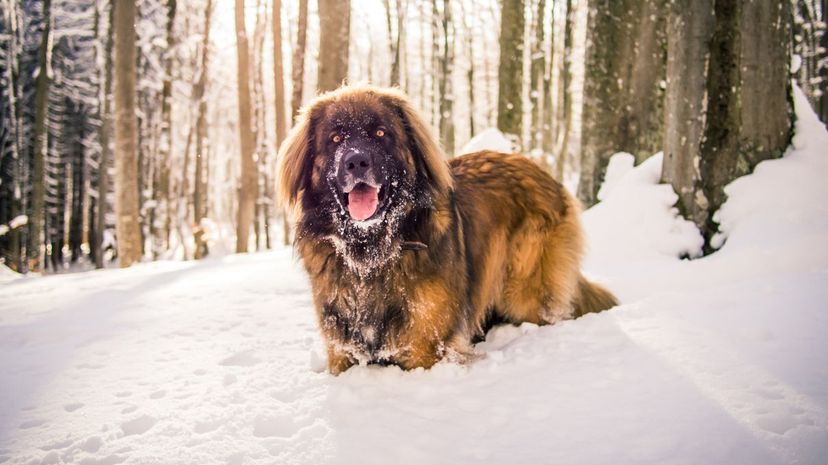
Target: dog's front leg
x,y
419,353
338,359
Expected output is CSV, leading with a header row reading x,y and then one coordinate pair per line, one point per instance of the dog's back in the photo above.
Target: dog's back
x,y
524,239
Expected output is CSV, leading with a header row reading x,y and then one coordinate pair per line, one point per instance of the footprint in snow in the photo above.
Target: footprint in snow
x,y
28,424
158,394
241,359
206,426
71,407
92,444
138,425
274,426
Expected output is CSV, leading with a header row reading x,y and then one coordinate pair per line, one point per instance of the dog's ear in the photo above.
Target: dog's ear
x,y
293,159
424,147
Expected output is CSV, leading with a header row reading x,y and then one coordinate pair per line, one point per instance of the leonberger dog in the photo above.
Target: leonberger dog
x,y
412,257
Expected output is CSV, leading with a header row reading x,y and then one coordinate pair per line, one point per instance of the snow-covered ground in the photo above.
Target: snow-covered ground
x,y
720,360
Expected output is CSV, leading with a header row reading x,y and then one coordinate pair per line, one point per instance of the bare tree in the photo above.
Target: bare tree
x,y
162,231
278,73
247,190
510,70
126,161
334,40
537,90
623,92
200,178
565,124
261,217
444,38
40,144
11,147
298,75
395,41
469,30
279,95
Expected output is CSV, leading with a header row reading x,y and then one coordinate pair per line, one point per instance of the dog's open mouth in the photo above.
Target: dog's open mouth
x,y
363,201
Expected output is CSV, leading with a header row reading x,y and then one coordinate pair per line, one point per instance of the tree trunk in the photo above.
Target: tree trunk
x,y
823,70
623,97
162,233
78,192
126,162
510,70
279,94
720,123
334,40
565,125
468,23
259,130
36,236
395,41
536,88
104,135
444,35
247,191
278,74
422,46
298,74
200,181
12,190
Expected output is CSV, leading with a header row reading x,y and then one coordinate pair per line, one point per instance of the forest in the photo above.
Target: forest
x,y
147,130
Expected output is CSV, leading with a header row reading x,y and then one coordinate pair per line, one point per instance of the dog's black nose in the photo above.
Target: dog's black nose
x,y
356,163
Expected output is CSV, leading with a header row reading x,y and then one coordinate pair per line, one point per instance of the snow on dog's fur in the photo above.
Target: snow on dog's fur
x,y
410,257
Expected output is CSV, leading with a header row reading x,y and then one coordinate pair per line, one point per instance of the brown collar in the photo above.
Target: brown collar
x,y
413,245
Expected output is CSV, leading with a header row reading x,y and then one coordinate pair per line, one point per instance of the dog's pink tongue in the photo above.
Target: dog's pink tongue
x,y
362,202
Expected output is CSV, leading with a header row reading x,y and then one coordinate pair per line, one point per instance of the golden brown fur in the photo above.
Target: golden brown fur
x,y
503,239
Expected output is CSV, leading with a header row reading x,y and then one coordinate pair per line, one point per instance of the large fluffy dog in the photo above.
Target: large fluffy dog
x,y
411,257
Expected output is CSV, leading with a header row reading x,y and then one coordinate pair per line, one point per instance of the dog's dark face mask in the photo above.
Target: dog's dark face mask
x,y
364,183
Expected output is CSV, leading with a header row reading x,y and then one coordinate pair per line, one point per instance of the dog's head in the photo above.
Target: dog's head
x,y
357,162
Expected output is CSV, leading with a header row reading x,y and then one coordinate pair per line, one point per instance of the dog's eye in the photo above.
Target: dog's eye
x,y
336,138
380,132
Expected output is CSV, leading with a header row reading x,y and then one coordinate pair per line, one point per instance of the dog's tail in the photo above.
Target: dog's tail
x,y
592,298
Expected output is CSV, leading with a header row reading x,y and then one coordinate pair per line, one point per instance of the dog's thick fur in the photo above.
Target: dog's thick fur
x,y
458,244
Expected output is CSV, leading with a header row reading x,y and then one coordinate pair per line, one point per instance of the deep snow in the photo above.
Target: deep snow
x,y
717,360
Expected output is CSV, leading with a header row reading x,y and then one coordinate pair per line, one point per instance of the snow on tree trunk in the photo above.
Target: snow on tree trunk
x,y
105,131
11,155
126,161
510,70
334,40
722,123
36,236
689,27
247,190
623,94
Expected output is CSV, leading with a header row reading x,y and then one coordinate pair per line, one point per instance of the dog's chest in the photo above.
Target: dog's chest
x,y
366,318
